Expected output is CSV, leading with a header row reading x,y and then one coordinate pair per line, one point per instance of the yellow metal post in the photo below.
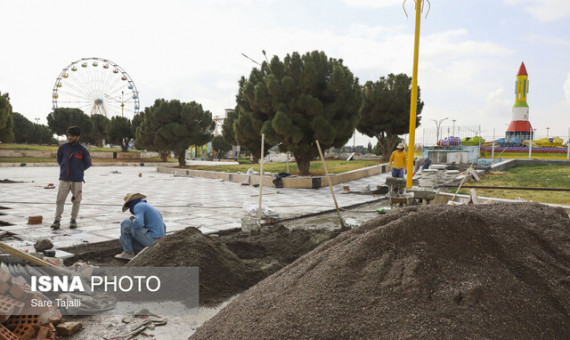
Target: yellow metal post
x,y
414,100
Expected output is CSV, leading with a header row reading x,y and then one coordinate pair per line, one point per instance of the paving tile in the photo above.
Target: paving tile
x,y
209,204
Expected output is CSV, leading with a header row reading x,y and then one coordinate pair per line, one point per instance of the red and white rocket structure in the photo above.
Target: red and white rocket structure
x,y
520,127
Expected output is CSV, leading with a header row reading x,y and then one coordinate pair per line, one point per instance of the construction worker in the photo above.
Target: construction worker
x,y
398,161
142,229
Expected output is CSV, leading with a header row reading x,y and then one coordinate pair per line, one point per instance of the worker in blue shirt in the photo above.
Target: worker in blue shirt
x,y
73,159
142,229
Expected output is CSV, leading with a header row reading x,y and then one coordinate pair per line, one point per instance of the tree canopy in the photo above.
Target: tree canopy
x,y
119,132
31,133
386,110
295,102
228,127
99,132
6,119
174,126
62,118
220,145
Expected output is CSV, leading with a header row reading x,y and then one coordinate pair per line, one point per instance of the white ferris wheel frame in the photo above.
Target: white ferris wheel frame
x,y
96,86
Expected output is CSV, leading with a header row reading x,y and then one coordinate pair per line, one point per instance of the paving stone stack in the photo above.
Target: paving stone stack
x,y
19,320
437,176
429,179
451,176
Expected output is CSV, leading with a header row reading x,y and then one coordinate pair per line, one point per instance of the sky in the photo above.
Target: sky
x,y
192,50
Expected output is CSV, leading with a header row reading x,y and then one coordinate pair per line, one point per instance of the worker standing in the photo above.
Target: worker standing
x,y
398,161
73,159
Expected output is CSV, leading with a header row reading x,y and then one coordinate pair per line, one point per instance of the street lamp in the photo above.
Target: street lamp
x,y
453,134
547,132
438,125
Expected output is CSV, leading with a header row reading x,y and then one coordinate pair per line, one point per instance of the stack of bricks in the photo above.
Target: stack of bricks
x,y
19,319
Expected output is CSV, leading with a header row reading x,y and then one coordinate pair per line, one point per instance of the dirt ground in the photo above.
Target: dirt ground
x,y
230,262
498,271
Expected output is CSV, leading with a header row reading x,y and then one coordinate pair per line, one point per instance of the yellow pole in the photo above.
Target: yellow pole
x,y
414,100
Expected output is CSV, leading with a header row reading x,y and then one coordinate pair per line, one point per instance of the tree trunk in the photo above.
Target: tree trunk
x,y
387,145
182,158
303,163
163,156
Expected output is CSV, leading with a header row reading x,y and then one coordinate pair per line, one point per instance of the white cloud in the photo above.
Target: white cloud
x,y
544,10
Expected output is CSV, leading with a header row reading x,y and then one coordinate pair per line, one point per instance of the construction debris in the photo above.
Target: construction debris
x,y
20,319
43,244
68,328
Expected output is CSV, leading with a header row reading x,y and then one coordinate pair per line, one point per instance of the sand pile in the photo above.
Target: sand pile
x,y
440,272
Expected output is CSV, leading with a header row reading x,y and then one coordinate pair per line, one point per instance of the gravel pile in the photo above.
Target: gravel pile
x,y
232,262
497,271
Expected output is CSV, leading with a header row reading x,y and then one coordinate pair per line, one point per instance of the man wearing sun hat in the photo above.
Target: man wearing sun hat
x,y
398,161
142,229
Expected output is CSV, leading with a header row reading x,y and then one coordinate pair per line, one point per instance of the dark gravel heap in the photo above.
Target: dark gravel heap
x,y
234,261
440,272
222,273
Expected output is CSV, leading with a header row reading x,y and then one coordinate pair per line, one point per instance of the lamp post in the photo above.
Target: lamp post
x,y
438,125
547,129
453,134
414,97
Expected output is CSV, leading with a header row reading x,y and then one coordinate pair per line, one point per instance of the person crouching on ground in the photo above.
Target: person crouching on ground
x,y
142,229
398,161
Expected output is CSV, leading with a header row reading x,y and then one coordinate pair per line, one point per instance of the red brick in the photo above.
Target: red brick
x,y
21,320
7,306
5,334
68,328
25,332
43,333
35,219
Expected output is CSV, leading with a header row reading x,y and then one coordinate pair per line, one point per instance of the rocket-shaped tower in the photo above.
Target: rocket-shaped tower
x,y
520,126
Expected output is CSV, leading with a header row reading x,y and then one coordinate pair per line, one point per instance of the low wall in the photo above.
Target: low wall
x,y
512,163
53,154
54,164
307,182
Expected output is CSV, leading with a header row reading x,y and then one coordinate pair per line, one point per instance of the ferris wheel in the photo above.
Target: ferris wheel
x,y
96,86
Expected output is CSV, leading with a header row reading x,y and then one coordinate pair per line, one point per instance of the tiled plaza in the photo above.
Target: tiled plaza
x,y
207,204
